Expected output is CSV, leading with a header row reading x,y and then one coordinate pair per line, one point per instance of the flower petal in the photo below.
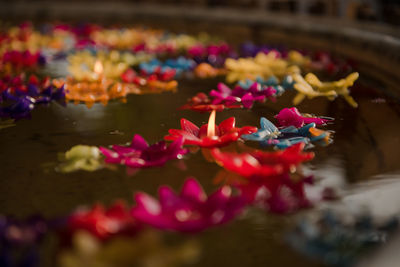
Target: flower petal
x,y
189,127
139,143
227,125
192,190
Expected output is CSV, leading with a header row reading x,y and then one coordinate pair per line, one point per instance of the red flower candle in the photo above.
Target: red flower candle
x,y
263,164
202,103
209,135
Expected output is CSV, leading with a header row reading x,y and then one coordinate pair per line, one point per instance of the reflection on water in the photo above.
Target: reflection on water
x,y
364,145
149,249
379,197
387,256
330,177
341,232
83,118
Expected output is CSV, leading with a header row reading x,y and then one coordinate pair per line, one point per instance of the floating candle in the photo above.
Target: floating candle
x,y
247,97
311,87
103,223
270,135
19,97
263,164
140,155
95,87
81,157
84,66
205,136
292,117
264,65
205,70
195,212
202,103
14,61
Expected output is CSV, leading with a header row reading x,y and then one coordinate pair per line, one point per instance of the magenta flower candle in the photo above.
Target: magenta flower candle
x,y
139,154
247,97
190,211
292,117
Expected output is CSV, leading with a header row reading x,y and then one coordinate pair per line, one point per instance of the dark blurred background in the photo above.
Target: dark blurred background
x,y
386,11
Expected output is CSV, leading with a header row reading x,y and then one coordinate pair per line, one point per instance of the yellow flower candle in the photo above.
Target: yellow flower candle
x,y
311,87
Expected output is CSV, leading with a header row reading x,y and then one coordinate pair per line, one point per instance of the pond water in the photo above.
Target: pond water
x,y
366,143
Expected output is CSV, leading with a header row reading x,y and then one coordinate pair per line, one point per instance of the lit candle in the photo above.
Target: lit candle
x,y
209,135
98,70
211,125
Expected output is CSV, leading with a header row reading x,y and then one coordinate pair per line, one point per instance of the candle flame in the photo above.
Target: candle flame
x,y
211,125
98,67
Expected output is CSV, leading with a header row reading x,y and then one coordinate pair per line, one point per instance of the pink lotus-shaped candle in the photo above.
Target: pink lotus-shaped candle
x,y
140,155
189,211
209,135
292,117
247,97
103,223
263,164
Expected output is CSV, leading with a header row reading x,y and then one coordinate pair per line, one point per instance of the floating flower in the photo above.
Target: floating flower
x,y
264,66
304,89
263,164
19,108
155,83
19,98
286,84
282,138
307,134
90,92
240,95
130,76
341,87
292,117
14,60
103,223
140,155
209,135
214,54
251,50
84,65
212,49
225,98
205,70
311,87
190,211
178,65
81,157
100,89
267,132
159,73
202,103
